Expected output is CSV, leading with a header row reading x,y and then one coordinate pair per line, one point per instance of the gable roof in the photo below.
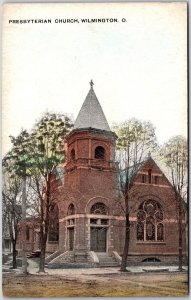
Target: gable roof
x,y
134,170
91,114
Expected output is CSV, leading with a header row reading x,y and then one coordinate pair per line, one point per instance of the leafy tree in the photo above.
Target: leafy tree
x,y
175,156
47,142
135,139
36,155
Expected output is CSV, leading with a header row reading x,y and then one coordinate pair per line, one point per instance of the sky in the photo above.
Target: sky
x,y
139,67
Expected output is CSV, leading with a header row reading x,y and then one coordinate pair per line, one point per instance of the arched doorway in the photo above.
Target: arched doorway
x,y
98,227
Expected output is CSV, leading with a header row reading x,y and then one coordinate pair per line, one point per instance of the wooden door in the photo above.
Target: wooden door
x,y
98,239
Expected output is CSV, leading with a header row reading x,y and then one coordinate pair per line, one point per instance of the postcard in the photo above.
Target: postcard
x,y
95,151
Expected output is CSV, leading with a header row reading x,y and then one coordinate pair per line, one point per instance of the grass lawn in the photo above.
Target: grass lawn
x,y
168,284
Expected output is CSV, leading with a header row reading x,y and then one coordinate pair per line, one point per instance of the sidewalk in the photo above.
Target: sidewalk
x,y
33,269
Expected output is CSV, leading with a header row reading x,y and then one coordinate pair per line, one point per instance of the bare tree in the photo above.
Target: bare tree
x,y
135,139
11,210
175,155
19,202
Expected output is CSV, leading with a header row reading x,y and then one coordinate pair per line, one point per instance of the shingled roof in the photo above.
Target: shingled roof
x,y
91,113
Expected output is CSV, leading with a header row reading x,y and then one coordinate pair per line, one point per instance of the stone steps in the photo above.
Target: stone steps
x,y
65,257
70,259
106,260
50,257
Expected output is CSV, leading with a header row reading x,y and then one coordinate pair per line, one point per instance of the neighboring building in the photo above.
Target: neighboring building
x,y
32,235
11,213
6,242
87,222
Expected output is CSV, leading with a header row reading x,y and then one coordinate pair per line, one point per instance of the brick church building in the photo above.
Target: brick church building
x,y
87,224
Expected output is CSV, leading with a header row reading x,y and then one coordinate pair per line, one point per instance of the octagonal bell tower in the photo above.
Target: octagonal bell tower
x,y
90,184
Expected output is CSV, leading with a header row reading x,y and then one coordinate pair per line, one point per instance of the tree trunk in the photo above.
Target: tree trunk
x,y
44,226
42,254
127,228
14,254
180,233
43,248
24,259
126,246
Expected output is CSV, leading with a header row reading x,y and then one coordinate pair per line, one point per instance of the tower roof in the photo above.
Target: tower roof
x,y
91,113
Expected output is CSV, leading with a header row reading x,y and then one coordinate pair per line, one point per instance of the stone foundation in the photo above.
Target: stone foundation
x,y
155,259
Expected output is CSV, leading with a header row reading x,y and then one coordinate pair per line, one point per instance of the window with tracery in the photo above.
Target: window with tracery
x,y
53,235
71,209
150,225
99,152
99,209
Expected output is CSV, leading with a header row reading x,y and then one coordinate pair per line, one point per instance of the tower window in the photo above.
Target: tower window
x,y
99,152
143,178
72,154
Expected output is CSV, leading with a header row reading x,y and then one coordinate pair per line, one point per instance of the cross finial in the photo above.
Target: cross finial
x,y
149,154
91,84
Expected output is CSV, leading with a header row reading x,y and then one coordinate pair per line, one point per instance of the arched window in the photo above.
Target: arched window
x,y
99,152
150,176
150,225
99,209
71,210
54,223
72,154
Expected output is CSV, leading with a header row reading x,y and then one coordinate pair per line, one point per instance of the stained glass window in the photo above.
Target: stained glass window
x,y
140,231
150,221
160,233
99,209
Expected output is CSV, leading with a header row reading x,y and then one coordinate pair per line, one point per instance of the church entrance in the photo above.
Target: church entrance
x,y
98,239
